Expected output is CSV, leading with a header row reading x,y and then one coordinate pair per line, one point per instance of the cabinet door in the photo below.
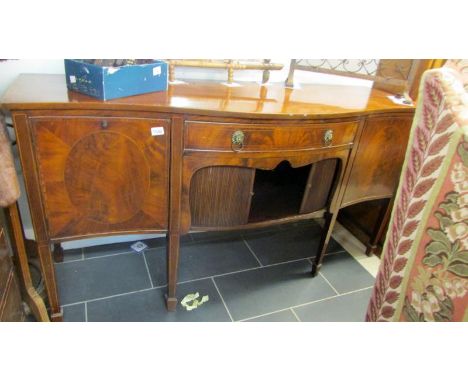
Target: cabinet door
x,y
101,174
319,185
379,158
220,196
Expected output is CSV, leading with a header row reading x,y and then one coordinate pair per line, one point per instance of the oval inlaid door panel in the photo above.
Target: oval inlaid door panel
x,y
106,161
104,174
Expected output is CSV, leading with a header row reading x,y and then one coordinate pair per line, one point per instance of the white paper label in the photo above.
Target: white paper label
x,y
112,70
157,71
157,130
401,100
72,79
138,246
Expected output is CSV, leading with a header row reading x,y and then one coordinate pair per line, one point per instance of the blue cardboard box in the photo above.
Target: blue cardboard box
x,y
114,82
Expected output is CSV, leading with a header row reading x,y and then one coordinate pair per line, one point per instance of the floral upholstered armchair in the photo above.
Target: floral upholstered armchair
x,y
9,194
423,275
9,186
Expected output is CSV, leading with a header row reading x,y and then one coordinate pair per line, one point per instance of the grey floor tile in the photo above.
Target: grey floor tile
x,y
100,277
157,242
74,313
260,291
283,316
203,259
107,249
348,308
220,235
294,241
160,242
207,237
311,226
72,254
150,306
345,273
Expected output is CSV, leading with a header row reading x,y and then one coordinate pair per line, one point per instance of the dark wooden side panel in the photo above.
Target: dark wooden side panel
x,y
319,185
221,196
380,155
361,219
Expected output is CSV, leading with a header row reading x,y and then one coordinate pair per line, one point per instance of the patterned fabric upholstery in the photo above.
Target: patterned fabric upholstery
x,y
423,275
9,187
461,67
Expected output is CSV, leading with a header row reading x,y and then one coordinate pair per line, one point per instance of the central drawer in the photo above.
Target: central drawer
x,y
222,137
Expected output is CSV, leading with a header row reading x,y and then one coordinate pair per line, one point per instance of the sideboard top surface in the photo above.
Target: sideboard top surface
x,y
252,100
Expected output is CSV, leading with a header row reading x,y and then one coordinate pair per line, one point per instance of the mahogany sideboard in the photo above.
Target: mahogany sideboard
x,y
201,156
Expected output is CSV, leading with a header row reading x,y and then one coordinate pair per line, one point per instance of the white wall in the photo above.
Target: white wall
x,y
9,70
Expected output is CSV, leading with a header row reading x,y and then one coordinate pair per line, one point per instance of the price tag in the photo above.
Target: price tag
x,y
157,130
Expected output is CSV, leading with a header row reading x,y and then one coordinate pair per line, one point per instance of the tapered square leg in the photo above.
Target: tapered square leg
x,y
57,317
379,229
171,304
48,272
58,253
330,219
173,249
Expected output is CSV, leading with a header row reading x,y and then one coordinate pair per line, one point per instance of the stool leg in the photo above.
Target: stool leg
x,y
32,298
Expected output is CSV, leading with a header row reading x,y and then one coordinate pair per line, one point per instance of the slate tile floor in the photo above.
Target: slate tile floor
x,y
260,275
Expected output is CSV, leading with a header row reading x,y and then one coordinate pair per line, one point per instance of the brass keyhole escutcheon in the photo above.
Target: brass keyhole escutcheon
x,y
237,140
327,137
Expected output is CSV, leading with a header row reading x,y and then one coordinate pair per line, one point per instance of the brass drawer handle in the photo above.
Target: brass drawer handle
x,y
237,140
328,137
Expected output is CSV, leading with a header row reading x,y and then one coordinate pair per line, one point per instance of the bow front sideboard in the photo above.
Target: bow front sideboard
x,y
200,156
